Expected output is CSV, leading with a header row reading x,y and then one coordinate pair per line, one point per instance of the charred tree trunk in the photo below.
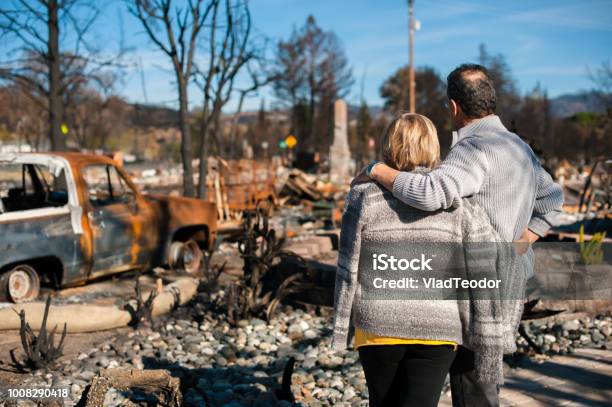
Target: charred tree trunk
x,y
235,119
186,153
55,97
202,187
204,141
217,131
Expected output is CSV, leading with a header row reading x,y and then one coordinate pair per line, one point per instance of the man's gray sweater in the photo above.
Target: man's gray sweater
x,y
499,170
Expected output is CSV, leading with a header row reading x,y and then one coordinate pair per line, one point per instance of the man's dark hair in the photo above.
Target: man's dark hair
x,y
472,88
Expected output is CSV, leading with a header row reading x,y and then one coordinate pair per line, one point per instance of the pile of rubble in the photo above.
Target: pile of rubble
x,y
238,185
587,187
301,186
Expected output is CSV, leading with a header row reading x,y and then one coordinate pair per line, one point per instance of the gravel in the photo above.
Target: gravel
x,y
239,366
243,365
561,338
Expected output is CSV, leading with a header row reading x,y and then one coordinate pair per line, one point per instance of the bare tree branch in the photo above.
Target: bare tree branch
x,y
182,28
41,29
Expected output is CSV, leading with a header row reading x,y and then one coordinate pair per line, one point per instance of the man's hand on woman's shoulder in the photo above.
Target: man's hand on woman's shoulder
x,y
384,175
380,172
361,178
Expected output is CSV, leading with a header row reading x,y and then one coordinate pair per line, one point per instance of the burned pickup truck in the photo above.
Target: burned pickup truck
x,y
68,218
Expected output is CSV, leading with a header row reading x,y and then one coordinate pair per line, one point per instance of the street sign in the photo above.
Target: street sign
x,y
291,141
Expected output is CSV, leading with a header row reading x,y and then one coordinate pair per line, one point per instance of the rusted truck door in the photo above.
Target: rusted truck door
x,y
112,207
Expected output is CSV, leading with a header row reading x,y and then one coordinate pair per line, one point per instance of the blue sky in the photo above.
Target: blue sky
x,y
551,42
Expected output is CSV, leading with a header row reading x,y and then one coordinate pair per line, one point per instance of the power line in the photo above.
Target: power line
x,y
142,81
411,102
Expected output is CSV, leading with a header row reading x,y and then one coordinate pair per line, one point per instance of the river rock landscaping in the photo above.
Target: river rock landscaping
x,y
223,365
561,338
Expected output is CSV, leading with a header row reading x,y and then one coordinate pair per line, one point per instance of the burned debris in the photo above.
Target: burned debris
x,y
157,384
239,185
41,351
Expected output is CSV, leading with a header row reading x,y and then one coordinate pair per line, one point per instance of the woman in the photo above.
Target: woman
x,y
406,346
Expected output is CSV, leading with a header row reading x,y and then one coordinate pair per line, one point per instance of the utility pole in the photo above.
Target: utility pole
x,y
411,63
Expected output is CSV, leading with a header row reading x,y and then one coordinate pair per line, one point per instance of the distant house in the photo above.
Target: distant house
x,y
15,148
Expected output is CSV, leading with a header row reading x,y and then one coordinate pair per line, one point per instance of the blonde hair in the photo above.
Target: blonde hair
x,y
410,141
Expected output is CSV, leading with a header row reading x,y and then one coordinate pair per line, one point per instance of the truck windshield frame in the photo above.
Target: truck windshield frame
x,y
106,185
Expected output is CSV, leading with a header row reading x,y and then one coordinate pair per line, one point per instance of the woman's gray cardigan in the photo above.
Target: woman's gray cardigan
x,y
485,325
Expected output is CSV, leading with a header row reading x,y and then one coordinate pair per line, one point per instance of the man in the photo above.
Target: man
x,y
502,174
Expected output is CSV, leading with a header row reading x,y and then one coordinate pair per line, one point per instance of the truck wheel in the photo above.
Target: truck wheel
x,y
185,256
20,283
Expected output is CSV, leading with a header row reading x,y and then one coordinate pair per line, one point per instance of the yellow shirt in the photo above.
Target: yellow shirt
x,y
364,338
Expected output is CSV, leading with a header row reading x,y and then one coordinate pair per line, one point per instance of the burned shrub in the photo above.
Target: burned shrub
x,y
40,350
209,280
142,312
260,249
